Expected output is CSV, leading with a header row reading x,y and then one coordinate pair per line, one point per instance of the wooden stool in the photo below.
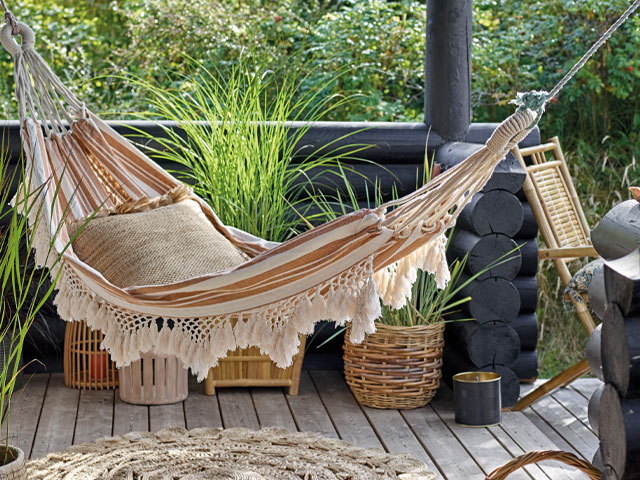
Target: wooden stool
x,y
247,367
85,364
154,380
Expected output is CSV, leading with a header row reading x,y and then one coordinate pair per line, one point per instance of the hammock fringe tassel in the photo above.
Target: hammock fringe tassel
x,y
201,342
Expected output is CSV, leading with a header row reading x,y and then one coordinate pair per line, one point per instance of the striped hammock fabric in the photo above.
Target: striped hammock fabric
x,y
339,271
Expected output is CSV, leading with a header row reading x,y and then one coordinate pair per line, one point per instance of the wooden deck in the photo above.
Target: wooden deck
x,y
48,417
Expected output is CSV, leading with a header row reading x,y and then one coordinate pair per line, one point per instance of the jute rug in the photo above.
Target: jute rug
x,y
216,454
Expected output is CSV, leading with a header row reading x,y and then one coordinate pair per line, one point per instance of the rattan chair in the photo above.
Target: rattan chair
x,y
565,232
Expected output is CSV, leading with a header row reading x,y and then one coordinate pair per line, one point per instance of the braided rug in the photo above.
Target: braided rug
x,y
216,454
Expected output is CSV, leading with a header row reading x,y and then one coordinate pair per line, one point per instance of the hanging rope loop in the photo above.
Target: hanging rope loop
x,y
10,19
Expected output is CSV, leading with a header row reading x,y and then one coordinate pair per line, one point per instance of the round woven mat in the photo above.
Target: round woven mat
x,y
216,454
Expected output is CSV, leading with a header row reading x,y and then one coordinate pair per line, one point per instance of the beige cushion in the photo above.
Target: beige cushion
x,y
155,247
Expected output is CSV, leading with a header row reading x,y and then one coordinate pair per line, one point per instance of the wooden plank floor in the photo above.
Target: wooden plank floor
x,y
47,417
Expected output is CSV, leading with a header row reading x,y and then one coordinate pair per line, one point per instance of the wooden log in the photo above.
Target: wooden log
x,y
526,326
620,347
485,344
594,352
492,299
597,293
447,105
483,251
622,282
497,211
618,232
527,287
593,408
456,362
529,227
526,366
480,132
529,253
597,460
508,174
619,432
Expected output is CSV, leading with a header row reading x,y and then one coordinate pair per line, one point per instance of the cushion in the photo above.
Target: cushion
x,y
161,245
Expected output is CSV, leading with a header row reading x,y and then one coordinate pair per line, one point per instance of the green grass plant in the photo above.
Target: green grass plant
x,y
238,151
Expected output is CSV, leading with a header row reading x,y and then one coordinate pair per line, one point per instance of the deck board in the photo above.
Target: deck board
x,y
272,408
346,414
201,410
58,419
128,417
95,416
48,417
25,411
483,447
308,411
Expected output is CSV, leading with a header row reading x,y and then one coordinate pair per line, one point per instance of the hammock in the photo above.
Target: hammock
x,y
338,271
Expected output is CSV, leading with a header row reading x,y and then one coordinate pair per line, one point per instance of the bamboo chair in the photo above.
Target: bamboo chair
x,y
565,232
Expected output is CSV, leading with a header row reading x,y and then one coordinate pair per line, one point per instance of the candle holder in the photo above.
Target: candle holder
x,y
477,399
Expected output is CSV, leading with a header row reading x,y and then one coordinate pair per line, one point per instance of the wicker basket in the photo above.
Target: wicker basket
x,y
154,380
247,367
501,473
396,367
85,364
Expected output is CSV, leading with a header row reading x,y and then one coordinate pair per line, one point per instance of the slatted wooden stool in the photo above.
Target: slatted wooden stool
x,y
154,380
86,365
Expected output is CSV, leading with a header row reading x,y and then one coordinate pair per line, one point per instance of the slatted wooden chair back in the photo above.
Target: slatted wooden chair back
x,y
565,232
554,201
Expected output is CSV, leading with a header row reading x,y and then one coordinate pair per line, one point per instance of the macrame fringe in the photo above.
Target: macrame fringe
x,y
395,281
200,343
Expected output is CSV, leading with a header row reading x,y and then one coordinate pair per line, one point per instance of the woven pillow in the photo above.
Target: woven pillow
x,y
163,245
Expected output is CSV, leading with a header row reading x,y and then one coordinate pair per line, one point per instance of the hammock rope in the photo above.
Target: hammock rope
x,y
339,271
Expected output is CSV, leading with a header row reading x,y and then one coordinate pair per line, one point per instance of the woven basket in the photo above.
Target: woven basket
x,y
247,367
570,459
396,367
154,380
86,366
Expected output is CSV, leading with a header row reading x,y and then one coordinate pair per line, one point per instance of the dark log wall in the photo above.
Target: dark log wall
x,y
614,347
504,334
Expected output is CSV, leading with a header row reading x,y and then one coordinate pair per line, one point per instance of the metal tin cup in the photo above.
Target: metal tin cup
x,y
477,399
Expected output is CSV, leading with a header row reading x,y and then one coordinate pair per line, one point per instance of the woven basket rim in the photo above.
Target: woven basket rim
x,y
398,328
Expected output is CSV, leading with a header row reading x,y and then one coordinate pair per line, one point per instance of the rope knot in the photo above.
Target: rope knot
x,y
511,131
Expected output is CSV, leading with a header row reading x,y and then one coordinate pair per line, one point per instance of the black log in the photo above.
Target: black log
x,y
593,408
526,326
597,293
498,211
448,67
529,227
456,362
390,142
528,290
529,254
594,352
486,344
620,350
618,233
492,299
622,281
483,251
526,366
619,432
508,174
480,133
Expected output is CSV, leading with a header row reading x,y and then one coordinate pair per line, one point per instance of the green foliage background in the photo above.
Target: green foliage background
x,y
518,45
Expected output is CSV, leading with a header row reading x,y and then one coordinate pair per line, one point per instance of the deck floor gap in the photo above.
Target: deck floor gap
x,y
44,397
